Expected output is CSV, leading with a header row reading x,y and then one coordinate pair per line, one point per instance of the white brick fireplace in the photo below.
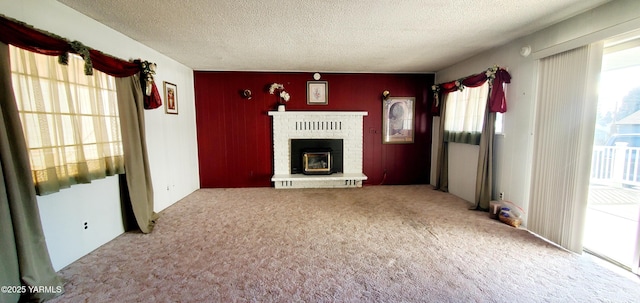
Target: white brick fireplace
x,y
345,125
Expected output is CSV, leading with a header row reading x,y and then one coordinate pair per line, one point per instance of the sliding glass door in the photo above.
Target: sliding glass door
x,y
612,228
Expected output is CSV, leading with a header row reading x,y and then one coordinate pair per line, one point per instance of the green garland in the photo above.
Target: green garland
x,y
83,51
64,59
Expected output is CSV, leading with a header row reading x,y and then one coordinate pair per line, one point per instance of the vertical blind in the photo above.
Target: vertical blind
x,y
563,139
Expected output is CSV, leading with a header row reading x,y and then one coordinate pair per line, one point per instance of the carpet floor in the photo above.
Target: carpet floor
x,y
372,244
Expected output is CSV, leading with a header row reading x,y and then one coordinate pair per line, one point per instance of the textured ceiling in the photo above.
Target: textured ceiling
x,y
386,36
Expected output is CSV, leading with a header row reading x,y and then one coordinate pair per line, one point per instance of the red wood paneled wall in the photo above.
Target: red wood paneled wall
x,y
234,134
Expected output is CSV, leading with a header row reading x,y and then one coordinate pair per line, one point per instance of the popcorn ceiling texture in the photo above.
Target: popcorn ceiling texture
x,y
327,36
374,244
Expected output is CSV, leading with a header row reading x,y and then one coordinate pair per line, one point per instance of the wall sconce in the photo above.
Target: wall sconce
x,y
385,95
246,94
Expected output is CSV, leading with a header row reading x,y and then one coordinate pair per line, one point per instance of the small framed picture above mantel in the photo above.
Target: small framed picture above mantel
x,y
317,93
170,98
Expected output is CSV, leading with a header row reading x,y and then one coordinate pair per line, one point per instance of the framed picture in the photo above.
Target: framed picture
x,y
170,98
317,93
398,120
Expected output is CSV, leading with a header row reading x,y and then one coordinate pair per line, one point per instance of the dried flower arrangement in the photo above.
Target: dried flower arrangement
x,y
284,96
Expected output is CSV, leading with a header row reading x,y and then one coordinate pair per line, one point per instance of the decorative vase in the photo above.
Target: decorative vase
x,y
281,107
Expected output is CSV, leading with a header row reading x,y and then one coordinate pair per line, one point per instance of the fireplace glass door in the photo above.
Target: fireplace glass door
x,y
316,162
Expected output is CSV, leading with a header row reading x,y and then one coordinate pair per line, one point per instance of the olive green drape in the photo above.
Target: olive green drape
x,y
24,258
442,168
136,162
484,177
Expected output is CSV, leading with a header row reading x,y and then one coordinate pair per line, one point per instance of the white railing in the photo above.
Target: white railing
x,y
616,165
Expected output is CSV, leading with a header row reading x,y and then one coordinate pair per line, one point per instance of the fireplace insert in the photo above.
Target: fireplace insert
x,y
316,156
316,162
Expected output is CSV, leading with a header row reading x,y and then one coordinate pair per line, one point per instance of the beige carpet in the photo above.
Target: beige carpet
x,y
373,244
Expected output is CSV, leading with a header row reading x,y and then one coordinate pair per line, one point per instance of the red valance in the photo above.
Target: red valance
x,y
23,36
114,66
497,101
20,35
26,37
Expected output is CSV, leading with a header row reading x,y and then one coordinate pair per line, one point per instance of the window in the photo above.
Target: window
x,y
70,120
499,126
464,115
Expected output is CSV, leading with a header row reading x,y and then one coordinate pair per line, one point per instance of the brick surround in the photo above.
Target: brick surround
x,y
345,125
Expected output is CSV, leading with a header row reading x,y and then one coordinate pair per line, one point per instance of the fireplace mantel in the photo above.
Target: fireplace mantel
x,y
293,113
345,125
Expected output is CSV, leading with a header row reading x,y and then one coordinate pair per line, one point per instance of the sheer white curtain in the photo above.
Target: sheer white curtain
x,y
464,116
70,120
563,139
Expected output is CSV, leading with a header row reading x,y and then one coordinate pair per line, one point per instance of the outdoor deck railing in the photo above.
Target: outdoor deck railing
x,y
616,165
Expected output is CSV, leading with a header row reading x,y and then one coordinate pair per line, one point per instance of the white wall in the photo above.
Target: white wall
x,y
171,139
513,150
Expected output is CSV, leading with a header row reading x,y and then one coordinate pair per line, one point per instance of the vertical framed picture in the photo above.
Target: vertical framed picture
x,y
398,120
170,98
317,93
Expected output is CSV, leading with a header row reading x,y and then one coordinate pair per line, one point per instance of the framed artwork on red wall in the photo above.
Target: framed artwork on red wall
x,y
171,98
397,120
317,93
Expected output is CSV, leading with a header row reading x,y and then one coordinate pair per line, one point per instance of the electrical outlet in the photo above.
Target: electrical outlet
x,y
501,196
85,225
